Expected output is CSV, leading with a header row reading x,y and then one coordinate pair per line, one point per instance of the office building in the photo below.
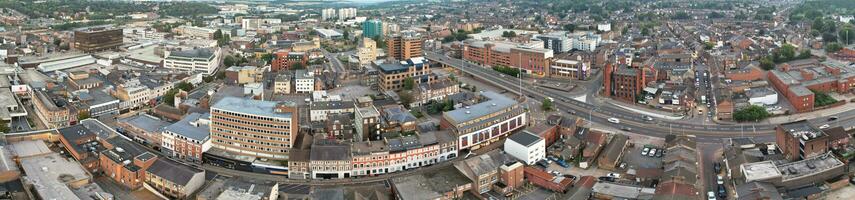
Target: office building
x,y
393,75
99,38
304,81
346,13
262,129
800,140
557,41
288,60
623,83
367,51
204,60
527,59
525,146
404,46
372,28
483,123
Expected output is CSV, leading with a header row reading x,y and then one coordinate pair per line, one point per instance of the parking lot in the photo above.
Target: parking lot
x,y
635,160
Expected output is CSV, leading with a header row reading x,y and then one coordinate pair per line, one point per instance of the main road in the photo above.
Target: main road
x,y
628,119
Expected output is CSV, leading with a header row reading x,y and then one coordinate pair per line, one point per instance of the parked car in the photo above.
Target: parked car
x,y
722,192
659,153
652,153
615,175
710,195
606,178
719,180
645,151
717,167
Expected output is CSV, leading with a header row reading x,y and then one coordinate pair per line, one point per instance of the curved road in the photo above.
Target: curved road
x,y
600,114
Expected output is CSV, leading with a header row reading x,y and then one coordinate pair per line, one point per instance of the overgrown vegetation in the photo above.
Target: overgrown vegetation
x,y
822,99
507,70
751,113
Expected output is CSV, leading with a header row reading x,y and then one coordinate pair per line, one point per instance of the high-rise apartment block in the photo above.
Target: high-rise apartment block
x,y
404,46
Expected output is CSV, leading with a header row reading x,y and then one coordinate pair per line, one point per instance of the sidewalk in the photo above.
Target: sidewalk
x,y
818,113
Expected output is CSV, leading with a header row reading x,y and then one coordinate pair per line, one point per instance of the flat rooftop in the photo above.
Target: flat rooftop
x,y
429,185
802,130
496,102
809,166
50,175
250,106
764,170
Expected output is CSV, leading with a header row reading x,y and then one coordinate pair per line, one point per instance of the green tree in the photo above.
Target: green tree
x,y
847,36
267,57
546,104
229,61
788,51
406,98
4,127
569,27
766,63
805,54
409,83
833,47
82,115
751,113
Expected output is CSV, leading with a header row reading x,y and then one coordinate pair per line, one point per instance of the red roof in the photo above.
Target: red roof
x,y
586,182
675,188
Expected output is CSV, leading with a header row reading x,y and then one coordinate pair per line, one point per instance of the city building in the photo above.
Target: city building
x,y
54,113
794,175
203,60
304,81
393,75
125,163
404,46
321,109
556,41
83,144
285,60
527,147
800,140
438,91
243,74
483,170
623,83
282,84
187,139
531,60
328,14
195,32
329,33
143,128
329,160
570,69
346,13
372,28
367,51
486,121
98,38
367,123
797,80
174,180
446,183
263,129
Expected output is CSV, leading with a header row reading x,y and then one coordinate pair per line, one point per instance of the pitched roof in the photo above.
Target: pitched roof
x,y
172,171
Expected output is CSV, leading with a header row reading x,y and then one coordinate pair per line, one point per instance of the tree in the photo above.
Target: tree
x,y
569,27
406,98
4,128
297,66
267,57
409,83
546,104
751,113
509,34
847,36
805,54
229,61
788,51
833,47
645,31
767,64
82,115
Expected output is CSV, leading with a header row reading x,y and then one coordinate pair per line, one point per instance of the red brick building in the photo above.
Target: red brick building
x,y
747,72
623,83
800,140
124,163
530,60
286,60
82,144
797,80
